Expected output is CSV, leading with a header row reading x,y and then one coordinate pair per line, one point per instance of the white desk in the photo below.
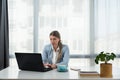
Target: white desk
x,y
14,73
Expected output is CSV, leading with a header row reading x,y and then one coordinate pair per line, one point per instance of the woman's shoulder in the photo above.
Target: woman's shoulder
x,y
65,48
48,46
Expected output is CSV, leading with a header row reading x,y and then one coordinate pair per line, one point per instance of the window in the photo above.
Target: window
x,y
69,17
20,25
86,26
107,26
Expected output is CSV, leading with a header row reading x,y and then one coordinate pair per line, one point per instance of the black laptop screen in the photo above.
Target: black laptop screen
x,y
29,61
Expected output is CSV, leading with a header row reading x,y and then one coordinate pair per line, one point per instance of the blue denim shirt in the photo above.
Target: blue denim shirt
x,y
47,55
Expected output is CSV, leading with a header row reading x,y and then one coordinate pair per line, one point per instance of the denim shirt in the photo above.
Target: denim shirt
x,y
47,55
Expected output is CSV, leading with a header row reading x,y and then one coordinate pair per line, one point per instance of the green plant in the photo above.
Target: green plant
x,y
104,57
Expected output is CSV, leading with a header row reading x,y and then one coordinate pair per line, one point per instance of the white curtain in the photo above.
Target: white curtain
x,y
31,21
107,25
70,18
20,26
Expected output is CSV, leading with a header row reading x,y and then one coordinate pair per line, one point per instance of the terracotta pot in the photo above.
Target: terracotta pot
x,y
106,70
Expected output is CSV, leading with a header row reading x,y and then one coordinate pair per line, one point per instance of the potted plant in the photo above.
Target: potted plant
x,y
105,67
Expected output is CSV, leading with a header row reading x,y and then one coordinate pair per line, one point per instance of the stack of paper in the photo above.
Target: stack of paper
x,y
75,68
88,73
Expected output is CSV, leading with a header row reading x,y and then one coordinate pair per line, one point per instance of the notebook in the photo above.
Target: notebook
x,y
30,62
88,73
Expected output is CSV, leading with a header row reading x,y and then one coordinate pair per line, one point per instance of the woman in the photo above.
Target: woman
x,y
56,53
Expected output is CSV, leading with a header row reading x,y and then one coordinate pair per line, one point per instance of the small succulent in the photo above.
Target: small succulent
x,y
104,57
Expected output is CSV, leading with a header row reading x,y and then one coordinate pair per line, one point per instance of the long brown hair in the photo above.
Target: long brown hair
x,y
57,34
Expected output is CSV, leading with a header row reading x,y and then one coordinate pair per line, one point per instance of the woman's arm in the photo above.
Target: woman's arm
x,y
44,55
65,55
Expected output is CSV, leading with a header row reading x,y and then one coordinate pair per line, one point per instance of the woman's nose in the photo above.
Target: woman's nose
x,y
52,41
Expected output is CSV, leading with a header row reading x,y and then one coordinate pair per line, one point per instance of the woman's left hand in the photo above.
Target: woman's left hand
x,y
53,66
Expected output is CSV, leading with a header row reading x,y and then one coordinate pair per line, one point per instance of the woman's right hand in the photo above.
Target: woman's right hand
x,y
47,65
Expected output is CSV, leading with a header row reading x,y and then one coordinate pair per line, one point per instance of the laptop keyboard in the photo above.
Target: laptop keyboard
x,y
47,69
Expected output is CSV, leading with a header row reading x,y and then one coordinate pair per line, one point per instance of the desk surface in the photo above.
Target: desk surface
x,y
15,73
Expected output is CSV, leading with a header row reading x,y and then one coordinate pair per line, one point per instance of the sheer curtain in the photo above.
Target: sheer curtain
x,y
107,26
20,26
70,18
31,21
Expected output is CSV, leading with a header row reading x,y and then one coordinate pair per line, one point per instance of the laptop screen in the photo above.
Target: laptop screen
x,y
29,61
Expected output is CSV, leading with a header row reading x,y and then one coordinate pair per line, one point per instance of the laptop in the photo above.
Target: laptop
x,y
30,62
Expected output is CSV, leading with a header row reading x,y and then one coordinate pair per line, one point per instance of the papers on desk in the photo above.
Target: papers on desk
x,y
82,73
75,68
88,73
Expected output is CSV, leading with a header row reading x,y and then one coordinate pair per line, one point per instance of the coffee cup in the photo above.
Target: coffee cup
x,y
62,68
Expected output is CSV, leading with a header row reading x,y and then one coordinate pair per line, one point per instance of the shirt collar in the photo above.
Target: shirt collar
x,y
56,50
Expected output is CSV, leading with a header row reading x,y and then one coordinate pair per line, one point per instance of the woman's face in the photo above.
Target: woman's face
x,y
54,40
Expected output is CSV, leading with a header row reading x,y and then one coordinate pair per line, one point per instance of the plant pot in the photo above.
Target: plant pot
x,y
106,70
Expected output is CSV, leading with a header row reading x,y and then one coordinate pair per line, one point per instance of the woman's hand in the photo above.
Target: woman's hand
x,y
47,65
53,66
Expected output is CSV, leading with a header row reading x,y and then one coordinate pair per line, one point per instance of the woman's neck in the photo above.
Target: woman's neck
x,y
55,47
